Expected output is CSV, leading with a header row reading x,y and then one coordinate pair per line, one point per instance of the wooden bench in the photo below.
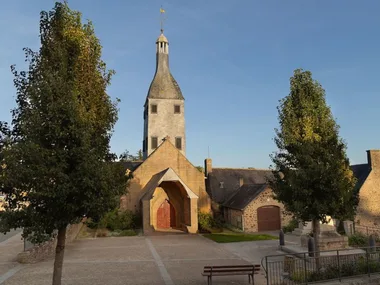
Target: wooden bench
x,y
249,270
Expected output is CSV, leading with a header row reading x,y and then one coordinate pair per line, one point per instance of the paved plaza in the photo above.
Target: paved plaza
x,y
162,259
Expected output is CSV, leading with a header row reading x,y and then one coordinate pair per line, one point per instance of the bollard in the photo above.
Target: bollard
x,y
372,243
311,247
282,238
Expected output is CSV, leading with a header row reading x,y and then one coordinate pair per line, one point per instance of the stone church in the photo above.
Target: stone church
x,y
166,189
169,192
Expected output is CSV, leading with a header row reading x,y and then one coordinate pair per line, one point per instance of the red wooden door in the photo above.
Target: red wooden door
x,y
166,216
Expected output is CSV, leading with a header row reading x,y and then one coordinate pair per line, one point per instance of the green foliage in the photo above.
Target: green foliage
x,y
293,224
58,167
126,156
127,233
225,237
312,175
347,268
207,223
117,220
200,168
358,240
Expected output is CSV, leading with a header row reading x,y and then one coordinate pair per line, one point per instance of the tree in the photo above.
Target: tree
x,y
200,168
57,164
125,156
311,172
139,155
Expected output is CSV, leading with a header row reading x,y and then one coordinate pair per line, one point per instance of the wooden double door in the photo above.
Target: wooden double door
x,y
166,216
268,218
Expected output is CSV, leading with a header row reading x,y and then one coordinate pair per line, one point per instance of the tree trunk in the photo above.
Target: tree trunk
x,y
316,233
59,254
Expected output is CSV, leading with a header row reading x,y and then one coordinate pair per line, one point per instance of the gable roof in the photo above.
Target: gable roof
x,y
131,165
161,145
224,182
361,172
165,175
244,195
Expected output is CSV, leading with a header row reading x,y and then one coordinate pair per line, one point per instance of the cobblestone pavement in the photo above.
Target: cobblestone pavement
x,y
161,259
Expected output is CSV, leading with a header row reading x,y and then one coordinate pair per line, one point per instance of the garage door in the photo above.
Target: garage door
x,y
268,218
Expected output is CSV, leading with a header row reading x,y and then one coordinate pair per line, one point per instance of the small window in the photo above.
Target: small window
x,y
154,142
153,109
178,143
177,109
221,184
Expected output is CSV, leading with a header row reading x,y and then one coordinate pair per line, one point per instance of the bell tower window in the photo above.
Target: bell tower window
x,y
177,109
154,142
153,109
178,142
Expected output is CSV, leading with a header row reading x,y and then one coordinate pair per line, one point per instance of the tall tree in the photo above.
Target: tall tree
x,y
58,167
312,175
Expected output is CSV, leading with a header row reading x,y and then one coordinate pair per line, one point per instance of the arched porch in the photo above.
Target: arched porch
x,y
168,204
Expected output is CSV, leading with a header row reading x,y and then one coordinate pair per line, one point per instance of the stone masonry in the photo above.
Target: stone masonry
x,y
166,156
264,199
368,211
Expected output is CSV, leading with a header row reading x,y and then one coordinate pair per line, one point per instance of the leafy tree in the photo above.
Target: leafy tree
x,y
126,156
200,168
57,164
139,155
312,175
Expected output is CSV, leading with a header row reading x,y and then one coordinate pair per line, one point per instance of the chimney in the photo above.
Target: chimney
x,y
208,166
241,181
373,157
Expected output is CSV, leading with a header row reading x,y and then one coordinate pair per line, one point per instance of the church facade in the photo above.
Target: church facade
x,y
166,189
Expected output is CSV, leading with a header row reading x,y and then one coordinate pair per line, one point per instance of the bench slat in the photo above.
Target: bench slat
x,y
226,273
229,270
235,266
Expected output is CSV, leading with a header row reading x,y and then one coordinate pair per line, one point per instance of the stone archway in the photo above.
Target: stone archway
x,y
166,216
178,204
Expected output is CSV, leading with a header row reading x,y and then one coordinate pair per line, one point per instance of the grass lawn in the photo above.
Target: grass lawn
x,y
229,236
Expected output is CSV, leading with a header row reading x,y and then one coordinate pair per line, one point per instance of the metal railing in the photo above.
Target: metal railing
x,y
300,268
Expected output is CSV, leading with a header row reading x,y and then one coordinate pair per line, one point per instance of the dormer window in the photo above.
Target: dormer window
x,y
153,109
177,109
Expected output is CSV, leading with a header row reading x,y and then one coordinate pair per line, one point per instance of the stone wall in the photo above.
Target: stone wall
x,y
264,199
368,211
165,122
47,250
235,218
164,157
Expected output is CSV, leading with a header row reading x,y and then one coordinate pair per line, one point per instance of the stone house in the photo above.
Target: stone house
x,y
368,176
166,189
244,199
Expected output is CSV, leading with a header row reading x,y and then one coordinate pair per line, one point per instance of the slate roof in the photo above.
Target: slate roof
x,y
163,85
361,172
244,195
224,182
131,165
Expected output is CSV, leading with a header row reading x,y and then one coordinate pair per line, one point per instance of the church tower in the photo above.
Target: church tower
x,y
164,109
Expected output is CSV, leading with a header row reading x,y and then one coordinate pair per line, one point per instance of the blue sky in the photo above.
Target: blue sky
x,y
232,60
